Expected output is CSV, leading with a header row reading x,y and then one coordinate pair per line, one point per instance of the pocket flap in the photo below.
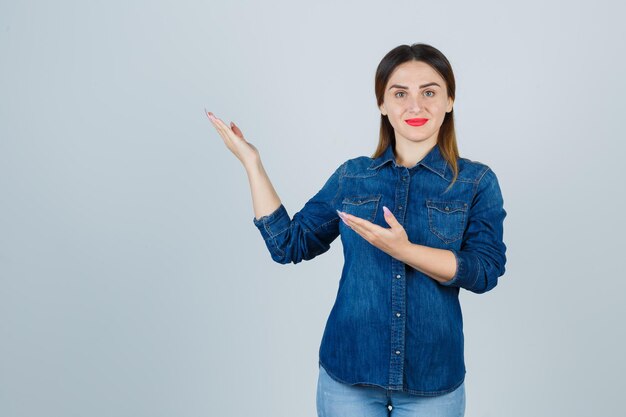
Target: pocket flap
x,y
447,206
361,200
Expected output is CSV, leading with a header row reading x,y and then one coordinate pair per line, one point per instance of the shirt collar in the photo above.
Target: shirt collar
x,y
433,160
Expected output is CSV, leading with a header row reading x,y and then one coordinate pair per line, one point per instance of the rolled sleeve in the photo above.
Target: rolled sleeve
x,y
273,223
271,226
311,230
467,269
482,257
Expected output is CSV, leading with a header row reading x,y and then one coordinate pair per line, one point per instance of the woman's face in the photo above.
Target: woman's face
x,y
416,91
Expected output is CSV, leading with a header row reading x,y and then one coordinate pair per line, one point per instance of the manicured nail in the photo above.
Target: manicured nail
x,y
386,210
343,219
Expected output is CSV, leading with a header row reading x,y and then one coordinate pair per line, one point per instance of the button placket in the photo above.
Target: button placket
x,y
398,290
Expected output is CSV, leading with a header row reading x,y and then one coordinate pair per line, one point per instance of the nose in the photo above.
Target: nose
x,y
414,103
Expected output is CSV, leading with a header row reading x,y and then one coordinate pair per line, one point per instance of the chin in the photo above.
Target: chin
x,y
420,138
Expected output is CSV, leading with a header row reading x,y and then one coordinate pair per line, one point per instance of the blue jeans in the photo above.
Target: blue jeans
x,y
335,399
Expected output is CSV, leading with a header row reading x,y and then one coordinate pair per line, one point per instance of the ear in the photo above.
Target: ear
x,y
382,109
450,104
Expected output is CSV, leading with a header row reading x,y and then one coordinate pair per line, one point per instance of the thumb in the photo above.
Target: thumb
x,y
236,130
390,218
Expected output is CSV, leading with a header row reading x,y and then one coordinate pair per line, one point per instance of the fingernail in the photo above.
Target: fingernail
x,y
386,210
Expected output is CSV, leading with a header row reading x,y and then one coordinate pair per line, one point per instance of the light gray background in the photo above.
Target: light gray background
x,y
132,279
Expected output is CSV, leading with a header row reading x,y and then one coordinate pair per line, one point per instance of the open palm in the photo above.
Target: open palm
x,y
233,138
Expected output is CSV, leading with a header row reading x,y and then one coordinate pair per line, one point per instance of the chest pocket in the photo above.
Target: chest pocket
x,y
446,219
364,207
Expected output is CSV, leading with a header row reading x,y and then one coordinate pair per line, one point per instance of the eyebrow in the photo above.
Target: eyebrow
x,y
421,86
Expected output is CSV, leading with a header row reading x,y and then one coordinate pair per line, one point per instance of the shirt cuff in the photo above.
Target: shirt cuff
x,y
467,269
274,223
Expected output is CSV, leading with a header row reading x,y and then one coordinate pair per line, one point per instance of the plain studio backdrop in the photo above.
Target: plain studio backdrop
x,y
132,279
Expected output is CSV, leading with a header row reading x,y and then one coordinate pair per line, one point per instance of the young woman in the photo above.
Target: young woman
x,y
417,223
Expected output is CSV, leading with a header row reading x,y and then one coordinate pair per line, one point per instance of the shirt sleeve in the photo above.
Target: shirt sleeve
x,y
311,230
482,257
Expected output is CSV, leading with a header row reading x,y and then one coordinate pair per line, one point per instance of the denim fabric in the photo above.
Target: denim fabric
x,y
335,399
391,325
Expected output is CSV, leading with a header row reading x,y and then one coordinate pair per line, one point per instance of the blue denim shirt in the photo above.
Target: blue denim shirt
x,y
392,326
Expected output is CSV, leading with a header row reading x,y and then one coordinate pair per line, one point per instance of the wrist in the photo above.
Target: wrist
x,y
404,252
254,166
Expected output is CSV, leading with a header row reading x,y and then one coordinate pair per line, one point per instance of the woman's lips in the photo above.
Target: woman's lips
x,y
416,122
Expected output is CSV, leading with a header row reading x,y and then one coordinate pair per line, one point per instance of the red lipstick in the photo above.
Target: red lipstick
x,y
416,122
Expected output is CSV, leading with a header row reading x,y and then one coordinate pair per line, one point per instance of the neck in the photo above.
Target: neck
x,y
408,153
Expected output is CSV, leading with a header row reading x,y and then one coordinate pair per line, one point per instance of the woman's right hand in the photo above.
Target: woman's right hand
x,y
264,197
246,152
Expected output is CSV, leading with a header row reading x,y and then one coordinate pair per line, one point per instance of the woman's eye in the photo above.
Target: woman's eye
x,y
429,91
399,92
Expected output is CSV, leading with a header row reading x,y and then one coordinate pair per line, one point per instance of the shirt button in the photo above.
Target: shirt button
x,y
397,352
398,276
397,314
400,207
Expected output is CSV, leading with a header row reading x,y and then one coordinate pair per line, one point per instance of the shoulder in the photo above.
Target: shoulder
x,y
359,162
474,171
485,180
358,166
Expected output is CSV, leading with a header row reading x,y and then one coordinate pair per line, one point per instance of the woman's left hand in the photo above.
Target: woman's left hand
x,y
392,241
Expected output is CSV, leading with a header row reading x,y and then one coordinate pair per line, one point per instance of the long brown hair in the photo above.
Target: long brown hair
x,y
446,140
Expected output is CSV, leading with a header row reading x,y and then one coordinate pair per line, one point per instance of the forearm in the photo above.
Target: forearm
x,y
265,200
439,264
